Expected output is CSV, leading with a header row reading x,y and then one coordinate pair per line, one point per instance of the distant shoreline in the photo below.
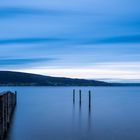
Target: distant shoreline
x,y
113,85
9,78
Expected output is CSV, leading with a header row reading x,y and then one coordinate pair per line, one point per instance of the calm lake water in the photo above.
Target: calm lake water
x,y
48,113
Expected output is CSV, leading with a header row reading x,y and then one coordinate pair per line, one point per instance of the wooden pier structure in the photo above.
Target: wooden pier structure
x,y
7,104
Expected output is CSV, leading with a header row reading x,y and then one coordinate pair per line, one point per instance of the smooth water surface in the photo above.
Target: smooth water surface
x,y
48,113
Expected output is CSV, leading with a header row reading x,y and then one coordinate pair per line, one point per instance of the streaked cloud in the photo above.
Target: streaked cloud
x,y
11,12
99,71
22,61
106,40
91,39
117,39
29,40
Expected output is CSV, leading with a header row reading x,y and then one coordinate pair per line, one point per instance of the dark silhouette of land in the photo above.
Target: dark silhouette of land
x,y
8,78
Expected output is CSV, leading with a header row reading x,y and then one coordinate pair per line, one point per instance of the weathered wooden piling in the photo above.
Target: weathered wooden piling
x,y
74,96
7,105
80,97
89,99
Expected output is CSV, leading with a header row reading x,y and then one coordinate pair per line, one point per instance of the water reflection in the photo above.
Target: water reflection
x,y
89,111
80,113
89,117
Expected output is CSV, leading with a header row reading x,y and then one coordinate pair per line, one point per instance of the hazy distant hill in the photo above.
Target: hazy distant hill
x,y
19,78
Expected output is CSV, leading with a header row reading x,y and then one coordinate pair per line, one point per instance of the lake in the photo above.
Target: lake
x,y
48,113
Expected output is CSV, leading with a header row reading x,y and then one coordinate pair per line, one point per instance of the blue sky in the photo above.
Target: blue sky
x,y
91,39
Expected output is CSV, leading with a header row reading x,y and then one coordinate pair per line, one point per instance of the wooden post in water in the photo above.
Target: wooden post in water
x,y
80,97
89,111
89,99
7,104
15,97
73,96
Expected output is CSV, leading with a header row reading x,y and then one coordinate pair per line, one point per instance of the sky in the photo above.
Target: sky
x,y
91,39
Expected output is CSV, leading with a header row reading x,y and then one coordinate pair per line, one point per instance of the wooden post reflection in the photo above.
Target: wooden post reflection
x,y
89,111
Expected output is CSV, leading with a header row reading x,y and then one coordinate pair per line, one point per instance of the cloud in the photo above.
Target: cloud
x,y
7,12
116,40
87,73
29,40
75,33
11,11
101,40
22,61
15,11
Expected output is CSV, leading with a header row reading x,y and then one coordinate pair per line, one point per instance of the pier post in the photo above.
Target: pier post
x,y
80,97
15,98
89,111
6,108
73,96
89,99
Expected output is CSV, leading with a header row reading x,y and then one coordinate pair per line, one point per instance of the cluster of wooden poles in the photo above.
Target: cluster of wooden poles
x,y
79,92
7,104
80,97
